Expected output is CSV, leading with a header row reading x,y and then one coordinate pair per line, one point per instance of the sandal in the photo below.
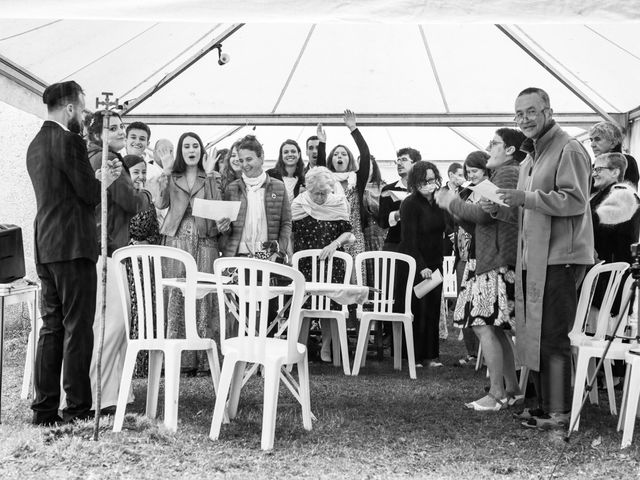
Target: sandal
x,y
499,405
513,400
528,413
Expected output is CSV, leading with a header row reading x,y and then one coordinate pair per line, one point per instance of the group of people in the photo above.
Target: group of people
x,y
519,262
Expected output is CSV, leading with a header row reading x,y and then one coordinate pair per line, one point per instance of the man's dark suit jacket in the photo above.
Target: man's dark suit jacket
x,y
388,205
67,193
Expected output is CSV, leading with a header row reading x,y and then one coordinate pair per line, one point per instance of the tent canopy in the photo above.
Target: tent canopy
x,y
408,71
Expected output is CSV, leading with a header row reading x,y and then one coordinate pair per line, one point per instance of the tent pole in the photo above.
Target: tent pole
x,y
131,104
513,36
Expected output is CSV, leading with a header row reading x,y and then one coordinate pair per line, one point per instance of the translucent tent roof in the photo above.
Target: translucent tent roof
x,y
415,69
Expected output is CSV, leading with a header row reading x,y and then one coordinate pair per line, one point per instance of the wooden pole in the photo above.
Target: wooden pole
x,y
106,115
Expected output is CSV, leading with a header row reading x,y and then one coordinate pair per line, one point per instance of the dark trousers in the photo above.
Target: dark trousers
x,y
426,325
68,309
553,381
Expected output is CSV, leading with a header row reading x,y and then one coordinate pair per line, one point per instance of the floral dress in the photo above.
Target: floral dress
x,y
487,298
143,229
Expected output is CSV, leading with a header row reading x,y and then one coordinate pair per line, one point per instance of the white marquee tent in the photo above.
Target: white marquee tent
x,y
436,75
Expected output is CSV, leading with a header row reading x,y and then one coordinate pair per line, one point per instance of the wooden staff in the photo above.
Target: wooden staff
x,y
106,116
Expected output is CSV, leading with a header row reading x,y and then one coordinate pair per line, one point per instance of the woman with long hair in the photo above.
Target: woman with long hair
x,y
186,178
289,168
230,168
124,202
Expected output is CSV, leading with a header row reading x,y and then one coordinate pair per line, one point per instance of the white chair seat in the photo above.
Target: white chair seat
x,y
260,349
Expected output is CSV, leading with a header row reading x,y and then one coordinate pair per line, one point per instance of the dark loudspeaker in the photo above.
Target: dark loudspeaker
x,y
11,254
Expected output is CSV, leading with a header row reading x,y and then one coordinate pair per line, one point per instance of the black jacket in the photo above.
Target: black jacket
x,y
67,193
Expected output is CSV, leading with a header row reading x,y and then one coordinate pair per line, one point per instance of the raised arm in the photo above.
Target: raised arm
x,y
365,157
322,146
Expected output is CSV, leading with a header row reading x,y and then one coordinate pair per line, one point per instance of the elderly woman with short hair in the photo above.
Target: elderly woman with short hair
x,y
606,137
321,220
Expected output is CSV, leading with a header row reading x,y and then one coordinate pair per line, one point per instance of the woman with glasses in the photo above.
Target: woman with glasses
x,y
606,137
486,299
423,226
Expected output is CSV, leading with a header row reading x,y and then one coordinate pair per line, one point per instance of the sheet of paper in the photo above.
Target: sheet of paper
x,y
488,190
215,209
427,285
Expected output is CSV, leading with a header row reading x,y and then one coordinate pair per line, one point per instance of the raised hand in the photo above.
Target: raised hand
x,y
321,134
349,119
209,162
166,157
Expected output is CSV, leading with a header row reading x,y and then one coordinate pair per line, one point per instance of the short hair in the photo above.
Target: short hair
x,y
139,126
453,168
94,123
180,166
317,177
58,95
535,90
513,138
412,153
311,138
250,142
616,160
418,174
609,131
476,159
279,167
351,167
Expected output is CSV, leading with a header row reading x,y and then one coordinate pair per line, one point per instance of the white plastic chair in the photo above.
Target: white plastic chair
x,y
630,395
384,266
253,346
589,348
449,279
322,271
146,262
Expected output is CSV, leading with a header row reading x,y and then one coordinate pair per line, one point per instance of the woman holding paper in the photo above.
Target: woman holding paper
x,y
423,226
189,177
486,301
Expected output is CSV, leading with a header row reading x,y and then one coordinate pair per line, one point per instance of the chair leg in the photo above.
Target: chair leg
x,y
341,327
270,404
221,399
171,388
214,367
479,358
335,342
125,385
593,394
578,388
397,345
631,407
361,347
153,382
524,379
411,356
305,392
625,393
608,375
236,386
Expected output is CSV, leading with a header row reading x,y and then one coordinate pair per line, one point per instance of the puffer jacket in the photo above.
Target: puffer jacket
x,y
278,211
123,202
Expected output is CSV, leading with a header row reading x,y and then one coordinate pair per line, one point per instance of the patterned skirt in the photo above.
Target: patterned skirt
x,y
486,299
205,251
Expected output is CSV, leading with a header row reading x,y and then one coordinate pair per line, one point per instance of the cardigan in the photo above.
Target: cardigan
x,y
278,212
495,237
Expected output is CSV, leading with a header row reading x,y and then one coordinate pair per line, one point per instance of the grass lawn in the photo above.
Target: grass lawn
x,y
380,424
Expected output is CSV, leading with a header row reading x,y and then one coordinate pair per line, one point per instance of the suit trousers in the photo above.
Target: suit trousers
x,y
68,309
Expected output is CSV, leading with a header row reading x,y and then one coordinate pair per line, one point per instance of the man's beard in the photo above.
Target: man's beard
x,y
74,126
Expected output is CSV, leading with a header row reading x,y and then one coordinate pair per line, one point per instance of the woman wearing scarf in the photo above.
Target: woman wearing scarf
x,y
265,210
321,220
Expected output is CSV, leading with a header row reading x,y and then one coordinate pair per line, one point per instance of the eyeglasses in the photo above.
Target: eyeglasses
x,y
493,143
429,181
599,169
529,114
